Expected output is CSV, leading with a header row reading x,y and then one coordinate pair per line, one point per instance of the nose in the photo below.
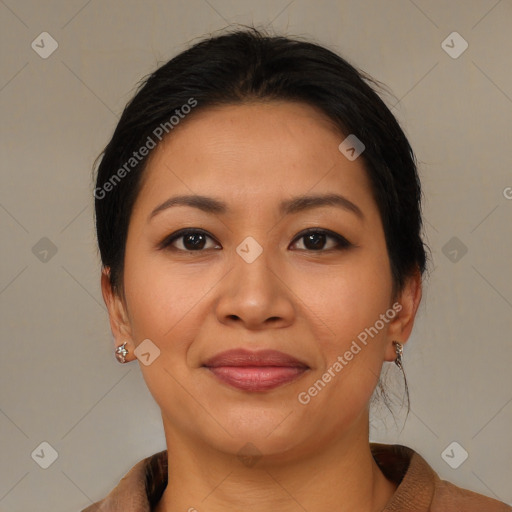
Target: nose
x,y
255,294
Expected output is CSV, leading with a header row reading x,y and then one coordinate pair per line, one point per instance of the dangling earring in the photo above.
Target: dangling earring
x,y
121,353
399,352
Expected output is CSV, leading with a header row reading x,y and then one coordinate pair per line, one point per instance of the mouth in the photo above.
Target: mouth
x,y
255,371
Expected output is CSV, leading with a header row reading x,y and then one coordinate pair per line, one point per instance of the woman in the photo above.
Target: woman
x,y
258,213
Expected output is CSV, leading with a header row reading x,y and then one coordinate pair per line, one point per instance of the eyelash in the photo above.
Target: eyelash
x,y
342,242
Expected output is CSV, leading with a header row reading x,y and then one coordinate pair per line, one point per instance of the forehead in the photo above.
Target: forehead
x,y
254,151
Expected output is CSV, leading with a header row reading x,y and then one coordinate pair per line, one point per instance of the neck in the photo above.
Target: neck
x,y
339,475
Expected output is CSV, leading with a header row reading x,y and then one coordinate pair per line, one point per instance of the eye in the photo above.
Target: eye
x,y
190,239
315,239
196,240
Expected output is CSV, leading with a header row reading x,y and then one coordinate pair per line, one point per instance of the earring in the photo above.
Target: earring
x,y
399,352
121,353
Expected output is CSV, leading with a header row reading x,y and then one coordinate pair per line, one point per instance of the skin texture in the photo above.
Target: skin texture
x,y
308,303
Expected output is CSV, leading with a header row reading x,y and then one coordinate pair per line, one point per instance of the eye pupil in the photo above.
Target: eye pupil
x,y
195,241
198,240
317,239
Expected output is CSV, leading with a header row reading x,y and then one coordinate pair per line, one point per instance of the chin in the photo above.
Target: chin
x,y
275,431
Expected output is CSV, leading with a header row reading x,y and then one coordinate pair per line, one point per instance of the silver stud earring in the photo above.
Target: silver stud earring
x,y
399,352
121,353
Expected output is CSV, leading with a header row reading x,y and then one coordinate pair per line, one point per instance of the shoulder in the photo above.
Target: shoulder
x,y
139,489
420,489
448,497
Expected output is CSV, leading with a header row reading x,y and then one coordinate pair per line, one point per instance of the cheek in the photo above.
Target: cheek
x,y
163,304
166,301
350,304
347,299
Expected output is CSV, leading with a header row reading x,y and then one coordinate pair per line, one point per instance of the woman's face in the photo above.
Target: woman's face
x,y
249,279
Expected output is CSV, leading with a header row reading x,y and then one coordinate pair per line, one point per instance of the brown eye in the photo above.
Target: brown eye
x,y
315,240
187,240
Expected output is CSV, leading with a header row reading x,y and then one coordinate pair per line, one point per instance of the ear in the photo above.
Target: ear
x,y
118,316
406,306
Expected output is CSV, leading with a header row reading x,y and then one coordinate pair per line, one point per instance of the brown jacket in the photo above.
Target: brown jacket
x,y
419,487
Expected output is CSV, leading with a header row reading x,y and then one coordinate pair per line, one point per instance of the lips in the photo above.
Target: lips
x,y
250,358
255,371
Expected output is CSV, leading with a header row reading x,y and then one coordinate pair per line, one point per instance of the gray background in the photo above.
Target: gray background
x,y
59,381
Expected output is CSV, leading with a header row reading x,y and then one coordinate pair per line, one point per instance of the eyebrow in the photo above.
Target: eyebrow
x,y
286,207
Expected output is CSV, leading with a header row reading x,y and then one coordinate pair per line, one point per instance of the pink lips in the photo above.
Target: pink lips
x,y
255,371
